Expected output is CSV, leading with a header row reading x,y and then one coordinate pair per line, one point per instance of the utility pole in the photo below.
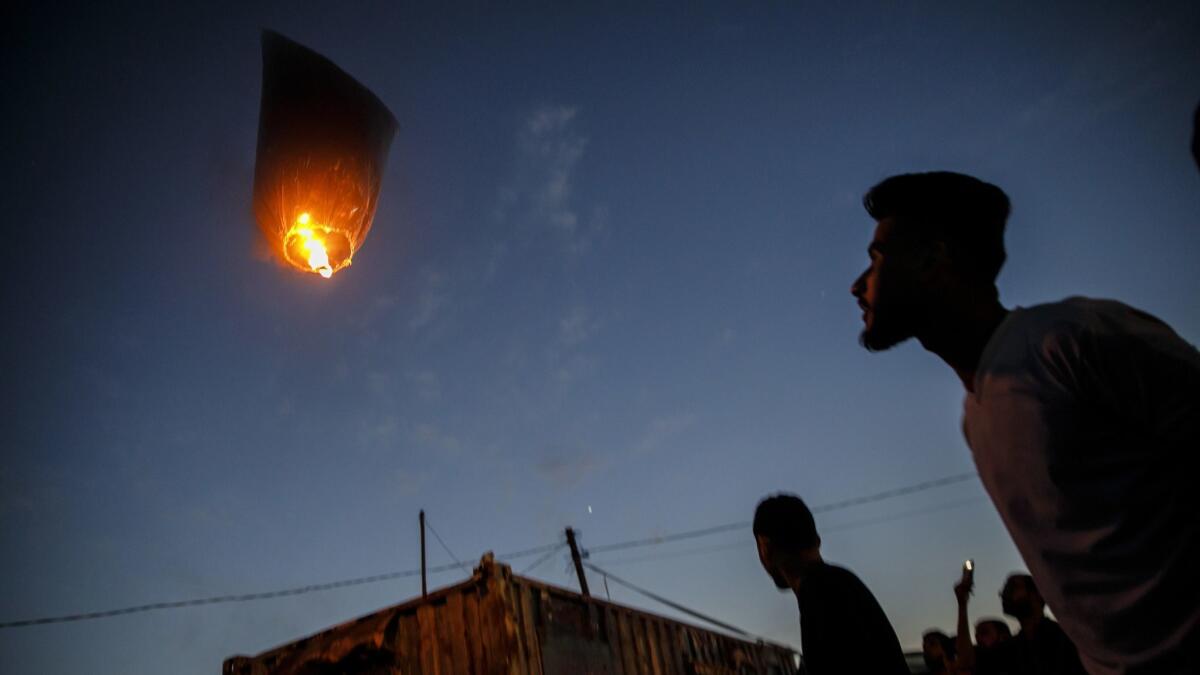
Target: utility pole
x,y
424,587
583,587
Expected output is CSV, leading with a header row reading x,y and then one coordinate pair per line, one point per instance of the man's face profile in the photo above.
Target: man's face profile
x,y
767,557
887,291
1016,599
987,635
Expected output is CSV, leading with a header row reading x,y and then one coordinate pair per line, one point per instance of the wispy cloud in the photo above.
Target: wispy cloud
x,y
566,353
432,299
562,469
1108,77
379,432
576,326
432,436
545,222
541,192
663,430
410,482
570,369
554,148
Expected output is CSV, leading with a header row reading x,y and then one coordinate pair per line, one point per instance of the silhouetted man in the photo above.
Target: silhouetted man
x,y
1083,417
842,627
991,632
938,652
1040,648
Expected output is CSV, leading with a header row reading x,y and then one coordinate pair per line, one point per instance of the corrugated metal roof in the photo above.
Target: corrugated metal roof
x,y
497,622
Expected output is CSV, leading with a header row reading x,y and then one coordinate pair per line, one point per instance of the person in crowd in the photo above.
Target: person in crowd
x,y
991,632
842,627
1083,418
938,650
1039,648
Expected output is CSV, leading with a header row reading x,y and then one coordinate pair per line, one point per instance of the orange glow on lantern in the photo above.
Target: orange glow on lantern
x,y
312,244
323,141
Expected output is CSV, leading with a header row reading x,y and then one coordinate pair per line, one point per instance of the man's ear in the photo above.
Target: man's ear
x,y
934,254
934,264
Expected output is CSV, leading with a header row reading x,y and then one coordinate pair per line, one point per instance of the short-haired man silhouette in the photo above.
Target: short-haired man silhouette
x,y
1040,647
842,627
991,632
1083,418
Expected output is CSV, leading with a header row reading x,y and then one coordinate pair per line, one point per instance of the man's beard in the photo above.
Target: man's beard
x,y
879,335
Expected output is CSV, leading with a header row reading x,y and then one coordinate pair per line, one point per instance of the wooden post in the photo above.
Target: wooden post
x,y
583,587
424,586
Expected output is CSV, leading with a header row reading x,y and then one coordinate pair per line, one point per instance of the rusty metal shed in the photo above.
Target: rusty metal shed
x,y
499,623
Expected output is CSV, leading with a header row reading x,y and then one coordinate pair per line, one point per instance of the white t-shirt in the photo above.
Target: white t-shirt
x,y
1085,427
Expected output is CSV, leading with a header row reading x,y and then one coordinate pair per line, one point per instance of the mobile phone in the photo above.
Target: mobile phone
x,y
968,569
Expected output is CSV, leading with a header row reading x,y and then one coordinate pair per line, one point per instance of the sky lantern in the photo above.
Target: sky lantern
x,y
323,141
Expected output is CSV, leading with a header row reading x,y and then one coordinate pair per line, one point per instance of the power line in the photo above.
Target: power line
x,y
674,605
946,506
532,566
679,554
824,508
654,541
247,597
448,551
546,549
835,528
527,552
897,492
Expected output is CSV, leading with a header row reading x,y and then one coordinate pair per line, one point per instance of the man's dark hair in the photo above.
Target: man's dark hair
x,y
786,521
999,624
1025,580
965,213
947,642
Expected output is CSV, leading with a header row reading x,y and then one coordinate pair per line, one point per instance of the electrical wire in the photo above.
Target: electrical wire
x,y
539,561
897,492
247,597
547,549
527,552
447,548
825,530
945,506
824,508
674,605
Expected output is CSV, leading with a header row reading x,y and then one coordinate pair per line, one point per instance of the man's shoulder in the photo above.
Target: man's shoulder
x,y
1068,316
1077,314
1052,335
843,585
835,574
841,616
1050,632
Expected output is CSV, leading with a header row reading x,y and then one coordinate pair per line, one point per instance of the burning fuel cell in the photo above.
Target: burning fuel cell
x,y
323,142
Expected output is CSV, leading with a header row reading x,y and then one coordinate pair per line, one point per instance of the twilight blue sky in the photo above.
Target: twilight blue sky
x,y
609,269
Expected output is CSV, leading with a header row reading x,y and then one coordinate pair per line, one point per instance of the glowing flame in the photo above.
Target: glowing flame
x,y
318,257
